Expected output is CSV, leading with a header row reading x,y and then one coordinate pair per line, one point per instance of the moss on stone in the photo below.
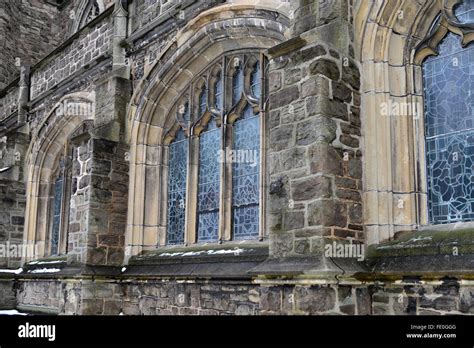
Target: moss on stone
x,y
429,242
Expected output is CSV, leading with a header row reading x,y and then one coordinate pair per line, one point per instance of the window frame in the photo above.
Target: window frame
x,y
64,205
444,24
224,121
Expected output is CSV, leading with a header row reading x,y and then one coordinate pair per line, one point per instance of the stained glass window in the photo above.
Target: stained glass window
x,y
237,83
57,207
246,172
218,93
255,80
209,184
449,105
235,171
465,12
178,156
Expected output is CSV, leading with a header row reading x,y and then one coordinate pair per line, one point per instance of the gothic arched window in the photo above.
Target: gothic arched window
x,y
214,158
448,80
86,12
59,206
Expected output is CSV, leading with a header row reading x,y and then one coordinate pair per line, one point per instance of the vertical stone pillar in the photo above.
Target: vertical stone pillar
x,y
108,167
120,33
14,142
13,148
314,156
23,94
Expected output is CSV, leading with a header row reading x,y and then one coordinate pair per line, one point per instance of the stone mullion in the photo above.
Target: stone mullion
x,y
163,207
42,224
226,185
31,212
152,201
64,216
263,146
49,223
190,231
226,168
419,161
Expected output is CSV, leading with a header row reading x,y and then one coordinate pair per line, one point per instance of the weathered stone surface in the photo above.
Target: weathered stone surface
x,y
327,213
351,74
281,137
318,129
315,85
320,105
363,301
325,67
311,188
315,299
308,54
274,79
270,299
324,159
355,213
284,97
293,220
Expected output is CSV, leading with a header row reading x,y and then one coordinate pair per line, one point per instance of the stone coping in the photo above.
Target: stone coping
x,y
437,241
426,254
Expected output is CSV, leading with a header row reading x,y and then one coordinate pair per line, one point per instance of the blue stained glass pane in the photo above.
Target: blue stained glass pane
x,y
219,100
178,153
449,119
203,101
255,81
209,184
246,176
465,12
237,85
57,204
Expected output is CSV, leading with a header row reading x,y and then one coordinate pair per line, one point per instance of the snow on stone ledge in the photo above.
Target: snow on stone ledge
x,y
45,262
11,312
45,270
235,251
15,271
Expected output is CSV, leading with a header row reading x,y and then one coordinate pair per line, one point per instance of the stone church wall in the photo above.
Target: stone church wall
x,y
318,147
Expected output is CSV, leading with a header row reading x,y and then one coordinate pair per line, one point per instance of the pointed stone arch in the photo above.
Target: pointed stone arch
x,y
392,40
223,29
86,11
41,161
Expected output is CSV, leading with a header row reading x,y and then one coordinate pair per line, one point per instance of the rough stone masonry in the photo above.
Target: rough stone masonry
x,y
334,169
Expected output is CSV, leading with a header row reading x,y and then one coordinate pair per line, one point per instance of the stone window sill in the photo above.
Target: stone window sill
x,y
229,260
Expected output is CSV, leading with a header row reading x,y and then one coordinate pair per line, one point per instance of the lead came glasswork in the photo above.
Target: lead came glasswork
x,y
465,12
209,184
449,105
246,172
57,203
240,119
178,155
